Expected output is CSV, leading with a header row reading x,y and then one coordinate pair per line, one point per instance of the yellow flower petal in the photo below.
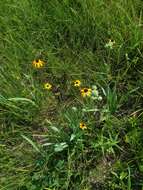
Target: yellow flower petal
x,y
38,63
77,83
86,92
47,86
82,126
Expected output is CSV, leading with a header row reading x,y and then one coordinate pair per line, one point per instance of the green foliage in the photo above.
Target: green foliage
x,y
42,144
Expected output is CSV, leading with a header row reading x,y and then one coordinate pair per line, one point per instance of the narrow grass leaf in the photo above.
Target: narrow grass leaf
x,y
31,142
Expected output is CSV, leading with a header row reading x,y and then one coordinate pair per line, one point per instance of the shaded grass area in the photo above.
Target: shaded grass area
x,y
42,146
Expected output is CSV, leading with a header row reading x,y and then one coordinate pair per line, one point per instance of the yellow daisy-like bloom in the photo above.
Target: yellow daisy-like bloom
x,y
77,83
38,63
86,92
47,86
82,126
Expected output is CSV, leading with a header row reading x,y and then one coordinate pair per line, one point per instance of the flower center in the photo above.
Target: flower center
x,y
85,90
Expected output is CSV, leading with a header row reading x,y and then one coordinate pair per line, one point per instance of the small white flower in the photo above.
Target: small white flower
x,y
127,57
110,44
95,93
74,108
93,97
100,98
94,87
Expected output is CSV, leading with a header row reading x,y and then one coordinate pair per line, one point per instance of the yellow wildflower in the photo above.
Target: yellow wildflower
x,y
38,63
86,92
47,86
77,83
82,126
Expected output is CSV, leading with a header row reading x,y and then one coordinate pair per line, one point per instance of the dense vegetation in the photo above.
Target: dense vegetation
x,y
57,137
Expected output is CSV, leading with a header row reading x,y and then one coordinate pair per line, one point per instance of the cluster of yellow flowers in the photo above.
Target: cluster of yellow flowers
x,y
38,64
85,92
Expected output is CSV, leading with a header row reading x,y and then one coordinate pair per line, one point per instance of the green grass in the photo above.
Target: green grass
x,y
41,144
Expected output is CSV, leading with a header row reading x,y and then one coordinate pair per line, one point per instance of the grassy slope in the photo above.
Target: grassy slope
x,y
71,36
